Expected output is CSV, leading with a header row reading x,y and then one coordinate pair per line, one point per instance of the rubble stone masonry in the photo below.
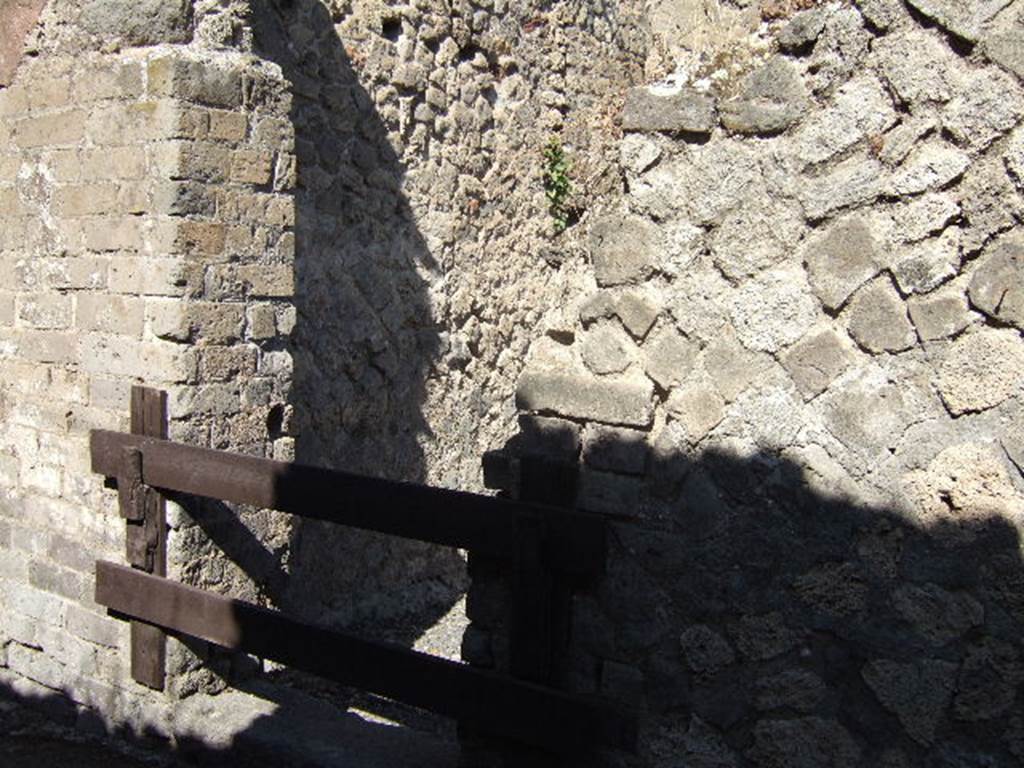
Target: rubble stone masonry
x,y
776,323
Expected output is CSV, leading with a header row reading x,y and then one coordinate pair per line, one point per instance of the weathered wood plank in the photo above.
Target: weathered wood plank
x,y
146,530
488,702
574,541
541,599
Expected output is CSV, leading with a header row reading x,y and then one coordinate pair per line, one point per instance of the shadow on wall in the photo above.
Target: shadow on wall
x,y
364,343
752,622
755,622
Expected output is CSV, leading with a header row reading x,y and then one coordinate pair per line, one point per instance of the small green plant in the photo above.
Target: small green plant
x,y
557,186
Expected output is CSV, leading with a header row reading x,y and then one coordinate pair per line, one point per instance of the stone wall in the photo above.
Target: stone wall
x,y
146,225
794,383
780,333
320,226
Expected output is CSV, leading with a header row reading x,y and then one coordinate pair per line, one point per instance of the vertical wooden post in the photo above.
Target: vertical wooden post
x,y
540,610
541,600
145,515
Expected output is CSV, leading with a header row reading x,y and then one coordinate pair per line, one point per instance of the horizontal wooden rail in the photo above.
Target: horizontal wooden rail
x,y
574,541
491,703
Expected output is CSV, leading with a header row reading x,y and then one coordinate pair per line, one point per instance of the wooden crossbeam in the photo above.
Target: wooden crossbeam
x,y
501,706
574,542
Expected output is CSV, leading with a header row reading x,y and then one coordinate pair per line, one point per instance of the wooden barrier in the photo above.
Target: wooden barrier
x,y
547,549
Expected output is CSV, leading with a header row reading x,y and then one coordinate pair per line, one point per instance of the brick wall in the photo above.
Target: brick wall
x,y
145,217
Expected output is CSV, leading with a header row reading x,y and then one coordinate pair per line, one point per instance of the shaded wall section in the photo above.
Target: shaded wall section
x,y
796,393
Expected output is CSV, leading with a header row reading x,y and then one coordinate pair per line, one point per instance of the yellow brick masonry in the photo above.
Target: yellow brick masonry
x,y
141,241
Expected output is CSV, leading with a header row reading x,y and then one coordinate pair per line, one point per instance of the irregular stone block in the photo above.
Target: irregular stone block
x,y
935,614
138,22
898,142
931,166
924,216
927,265
623,249
817,360
704,650
997,286
990,202
838,589
1004,49
940,315
877,319
755,235
840,50
962,490
963,19
770,100
988,681
638,153
868,413
917,693
615,449
773,310
980,370
636,312
852,182
806,742
802,30
763,636
607,348
669,357
626,401
796,689
668,109
731,366
841,260
881,14
861,108
610,494
698,407
919,65
988,104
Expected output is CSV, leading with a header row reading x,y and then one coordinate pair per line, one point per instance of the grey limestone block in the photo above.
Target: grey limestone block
x,y
623,247
963,19
615,449
669,357
1005,49
139,22
878,319
627,402
997,286
940,314
980,370
607,348
666,109
802,30
770,100
840,260
817,360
